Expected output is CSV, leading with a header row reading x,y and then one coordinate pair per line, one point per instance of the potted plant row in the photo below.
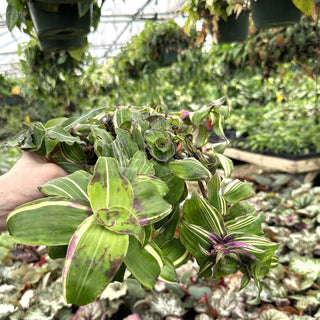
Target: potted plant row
x,y
129,201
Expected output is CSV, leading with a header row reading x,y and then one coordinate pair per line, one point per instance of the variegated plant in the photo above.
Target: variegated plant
x,y
120,206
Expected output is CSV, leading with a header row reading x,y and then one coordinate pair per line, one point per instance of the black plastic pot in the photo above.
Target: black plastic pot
x,y
234,29
274,13
62,24
53,45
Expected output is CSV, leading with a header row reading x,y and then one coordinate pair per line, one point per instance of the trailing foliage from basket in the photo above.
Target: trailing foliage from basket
x,y
121,205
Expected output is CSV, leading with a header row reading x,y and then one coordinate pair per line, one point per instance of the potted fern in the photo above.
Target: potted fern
x,y
125,205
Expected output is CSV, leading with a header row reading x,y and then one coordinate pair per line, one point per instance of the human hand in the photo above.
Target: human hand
x,y
20,184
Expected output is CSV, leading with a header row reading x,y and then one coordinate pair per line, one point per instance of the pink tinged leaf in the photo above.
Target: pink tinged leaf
x,y
93,258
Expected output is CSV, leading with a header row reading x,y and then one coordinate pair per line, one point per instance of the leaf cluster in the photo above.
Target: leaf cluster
x,y
119,208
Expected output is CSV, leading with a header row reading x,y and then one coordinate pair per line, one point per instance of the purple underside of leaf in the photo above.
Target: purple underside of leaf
x,y
215,238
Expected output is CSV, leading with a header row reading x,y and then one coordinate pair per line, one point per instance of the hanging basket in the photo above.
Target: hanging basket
x,y
62,22
54,45
274,13
234,29
170,54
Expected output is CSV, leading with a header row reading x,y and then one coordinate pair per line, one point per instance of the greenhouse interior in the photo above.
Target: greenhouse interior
x,y
159,159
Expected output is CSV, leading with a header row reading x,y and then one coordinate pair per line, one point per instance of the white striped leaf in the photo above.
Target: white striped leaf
x,y
249,224
123,147
240,209
225,163
235,190
84,118
214,197
108,188
176,252
102,140
60,134
121,116
199,212
73,186
193,238
148,204
190,169
48,221
141,163
93,258
144,263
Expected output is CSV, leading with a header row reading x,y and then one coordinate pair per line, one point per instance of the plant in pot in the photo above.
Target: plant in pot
x,y
274,13
59,24
125,205
158,45
226,20
52,81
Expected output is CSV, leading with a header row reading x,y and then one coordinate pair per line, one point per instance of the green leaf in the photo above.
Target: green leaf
x,y
123,147
144,263
225,163
48,221
160,144
141,163
57,252
73,186
84,118
193,237
60,134
12,16
200,136
160,185
148,204
168,272
93,258
240,209
190,169
199,212
199,116
175,185
108,188
304,5
120,220
121,117
175,251
235,190
214,197
249,224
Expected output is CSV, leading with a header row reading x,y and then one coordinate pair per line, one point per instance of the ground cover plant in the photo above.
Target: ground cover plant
x,y
120,207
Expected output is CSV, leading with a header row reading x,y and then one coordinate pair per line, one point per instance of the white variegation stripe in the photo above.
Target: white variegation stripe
x,y
155,254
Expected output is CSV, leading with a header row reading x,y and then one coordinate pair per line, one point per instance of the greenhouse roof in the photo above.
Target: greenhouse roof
x,y
120,20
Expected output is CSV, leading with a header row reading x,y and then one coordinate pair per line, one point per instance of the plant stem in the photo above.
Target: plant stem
x,y
202,189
